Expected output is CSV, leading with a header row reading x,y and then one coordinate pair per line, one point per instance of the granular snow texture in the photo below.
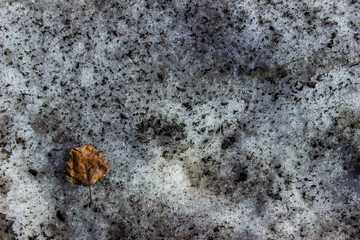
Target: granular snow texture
x,y
162,90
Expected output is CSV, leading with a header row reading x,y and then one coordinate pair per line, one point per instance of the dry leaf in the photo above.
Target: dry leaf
x,y
85,166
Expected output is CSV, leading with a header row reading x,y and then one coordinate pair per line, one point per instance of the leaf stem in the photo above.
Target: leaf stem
x,y
90,197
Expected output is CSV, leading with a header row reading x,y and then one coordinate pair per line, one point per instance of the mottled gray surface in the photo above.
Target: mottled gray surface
x,y
196,151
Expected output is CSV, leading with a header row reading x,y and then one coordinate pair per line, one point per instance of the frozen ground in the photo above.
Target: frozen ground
x,y
196,151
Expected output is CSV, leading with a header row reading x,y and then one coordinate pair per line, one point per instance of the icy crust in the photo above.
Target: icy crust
x,y
195,150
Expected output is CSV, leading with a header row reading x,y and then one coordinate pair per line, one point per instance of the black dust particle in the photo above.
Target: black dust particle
x,y
33,172
60,216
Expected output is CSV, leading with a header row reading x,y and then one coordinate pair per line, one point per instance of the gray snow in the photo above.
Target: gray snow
x,y
196,151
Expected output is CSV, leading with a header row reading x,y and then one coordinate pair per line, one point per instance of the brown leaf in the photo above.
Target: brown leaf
x,y
85,166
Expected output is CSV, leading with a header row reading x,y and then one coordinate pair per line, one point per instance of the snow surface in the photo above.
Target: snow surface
x,y
196,151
